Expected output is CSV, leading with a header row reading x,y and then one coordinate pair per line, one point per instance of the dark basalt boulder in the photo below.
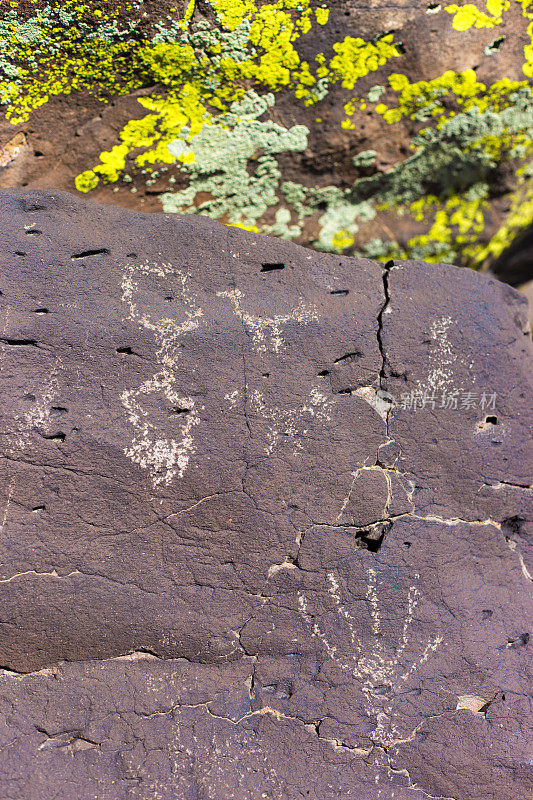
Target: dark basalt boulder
x,y
264,517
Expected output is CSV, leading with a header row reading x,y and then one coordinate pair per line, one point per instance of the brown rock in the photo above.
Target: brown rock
x,y
228,572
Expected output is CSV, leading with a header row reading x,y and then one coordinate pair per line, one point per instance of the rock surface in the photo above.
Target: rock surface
x,y
264,517
386,130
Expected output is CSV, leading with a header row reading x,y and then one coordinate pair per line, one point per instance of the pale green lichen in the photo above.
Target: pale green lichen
x,y
365,158
340,223
220,158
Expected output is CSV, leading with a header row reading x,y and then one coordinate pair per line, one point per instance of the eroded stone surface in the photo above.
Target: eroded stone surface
x,y
239,559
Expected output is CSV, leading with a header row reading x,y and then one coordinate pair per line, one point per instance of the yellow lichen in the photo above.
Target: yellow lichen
x,y
464,17
355,58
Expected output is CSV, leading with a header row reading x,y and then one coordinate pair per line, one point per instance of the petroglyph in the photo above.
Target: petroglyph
x,y
267,331
8,503
382,675
441,357
232,398
37,417
215,753
290,422
163,456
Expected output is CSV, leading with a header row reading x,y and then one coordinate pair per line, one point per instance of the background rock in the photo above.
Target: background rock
x,y
249,546
384,131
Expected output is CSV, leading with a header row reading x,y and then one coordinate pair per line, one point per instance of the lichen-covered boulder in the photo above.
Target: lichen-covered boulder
x,y
384,131
264,517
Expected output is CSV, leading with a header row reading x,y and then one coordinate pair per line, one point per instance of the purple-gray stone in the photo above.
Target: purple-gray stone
x,y
265,517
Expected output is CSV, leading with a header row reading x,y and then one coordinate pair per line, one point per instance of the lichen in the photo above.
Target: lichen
x,y
66,48
210,124
204,70
217,158
464,17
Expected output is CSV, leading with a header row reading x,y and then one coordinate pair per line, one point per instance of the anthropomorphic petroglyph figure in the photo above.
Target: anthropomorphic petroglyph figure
x,y
162,455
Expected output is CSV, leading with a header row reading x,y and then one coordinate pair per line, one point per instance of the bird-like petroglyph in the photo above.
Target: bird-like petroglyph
x,y
267,332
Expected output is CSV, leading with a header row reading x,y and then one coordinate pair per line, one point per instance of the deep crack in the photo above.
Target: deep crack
x,y
384,361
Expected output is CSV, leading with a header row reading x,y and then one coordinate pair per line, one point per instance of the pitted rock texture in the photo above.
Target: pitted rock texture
x,y
264,517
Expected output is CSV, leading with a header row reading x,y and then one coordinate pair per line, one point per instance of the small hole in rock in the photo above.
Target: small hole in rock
x,y
348,357
19,342
272,267
407,544
383,689
266,374
340,292
101,251
494,46
125,350
373,540
323,373
32,205
285,694
169,298
33,232
36,509
131,255
486,614
513,525
180,411
492,420
41,311
520,641
59,436
20,253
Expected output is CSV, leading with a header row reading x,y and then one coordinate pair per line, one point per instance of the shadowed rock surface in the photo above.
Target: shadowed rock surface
x,y
264,517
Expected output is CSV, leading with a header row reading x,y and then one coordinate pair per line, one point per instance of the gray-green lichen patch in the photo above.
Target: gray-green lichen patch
x,y
221,154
